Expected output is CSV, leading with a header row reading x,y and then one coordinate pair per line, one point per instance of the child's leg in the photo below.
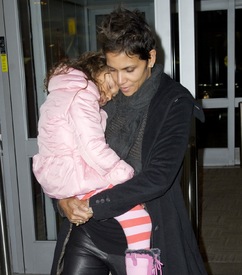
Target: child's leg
x,y
136,224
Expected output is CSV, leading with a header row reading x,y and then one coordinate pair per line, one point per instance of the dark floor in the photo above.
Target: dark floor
x,y
221,220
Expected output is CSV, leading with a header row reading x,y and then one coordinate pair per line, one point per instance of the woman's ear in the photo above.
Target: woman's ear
x,y
152,58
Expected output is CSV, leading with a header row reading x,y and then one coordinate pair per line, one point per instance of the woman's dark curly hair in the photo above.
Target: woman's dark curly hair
x,y
90,63
126,31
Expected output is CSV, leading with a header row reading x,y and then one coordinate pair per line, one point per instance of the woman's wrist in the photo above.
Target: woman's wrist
x,y
61,212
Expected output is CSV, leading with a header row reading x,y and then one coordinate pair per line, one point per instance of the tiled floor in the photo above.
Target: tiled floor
x,y
221,224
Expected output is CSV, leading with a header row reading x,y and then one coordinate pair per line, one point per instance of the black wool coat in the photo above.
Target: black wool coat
x,y
165,142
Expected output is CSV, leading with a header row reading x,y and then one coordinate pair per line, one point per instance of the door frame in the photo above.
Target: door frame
x,y
17,151
8,150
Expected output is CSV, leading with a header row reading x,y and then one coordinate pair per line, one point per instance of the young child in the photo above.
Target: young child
x,y
74,158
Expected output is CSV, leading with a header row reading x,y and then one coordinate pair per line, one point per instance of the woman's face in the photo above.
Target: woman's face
x,y
129,72
107,87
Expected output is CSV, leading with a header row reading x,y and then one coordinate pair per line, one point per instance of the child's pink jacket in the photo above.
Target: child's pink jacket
x,y
74,157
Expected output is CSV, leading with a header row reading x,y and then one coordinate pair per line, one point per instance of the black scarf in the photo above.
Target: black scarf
x,y
127,117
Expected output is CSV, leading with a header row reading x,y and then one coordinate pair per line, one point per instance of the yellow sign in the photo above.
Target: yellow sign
x,y
72,26
4,62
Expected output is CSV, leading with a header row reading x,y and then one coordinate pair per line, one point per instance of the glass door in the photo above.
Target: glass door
x,y
219,81
38,34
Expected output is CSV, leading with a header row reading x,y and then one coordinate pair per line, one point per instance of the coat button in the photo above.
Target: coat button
x,y
107,200
156,228
102,200
97,201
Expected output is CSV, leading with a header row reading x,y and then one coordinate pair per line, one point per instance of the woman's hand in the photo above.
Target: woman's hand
x,y
77,211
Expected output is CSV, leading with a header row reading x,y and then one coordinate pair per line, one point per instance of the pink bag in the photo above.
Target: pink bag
x,y
143,262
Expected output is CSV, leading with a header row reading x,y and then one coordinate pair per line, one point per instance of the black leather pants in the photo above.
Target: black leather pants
x,y
82,257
